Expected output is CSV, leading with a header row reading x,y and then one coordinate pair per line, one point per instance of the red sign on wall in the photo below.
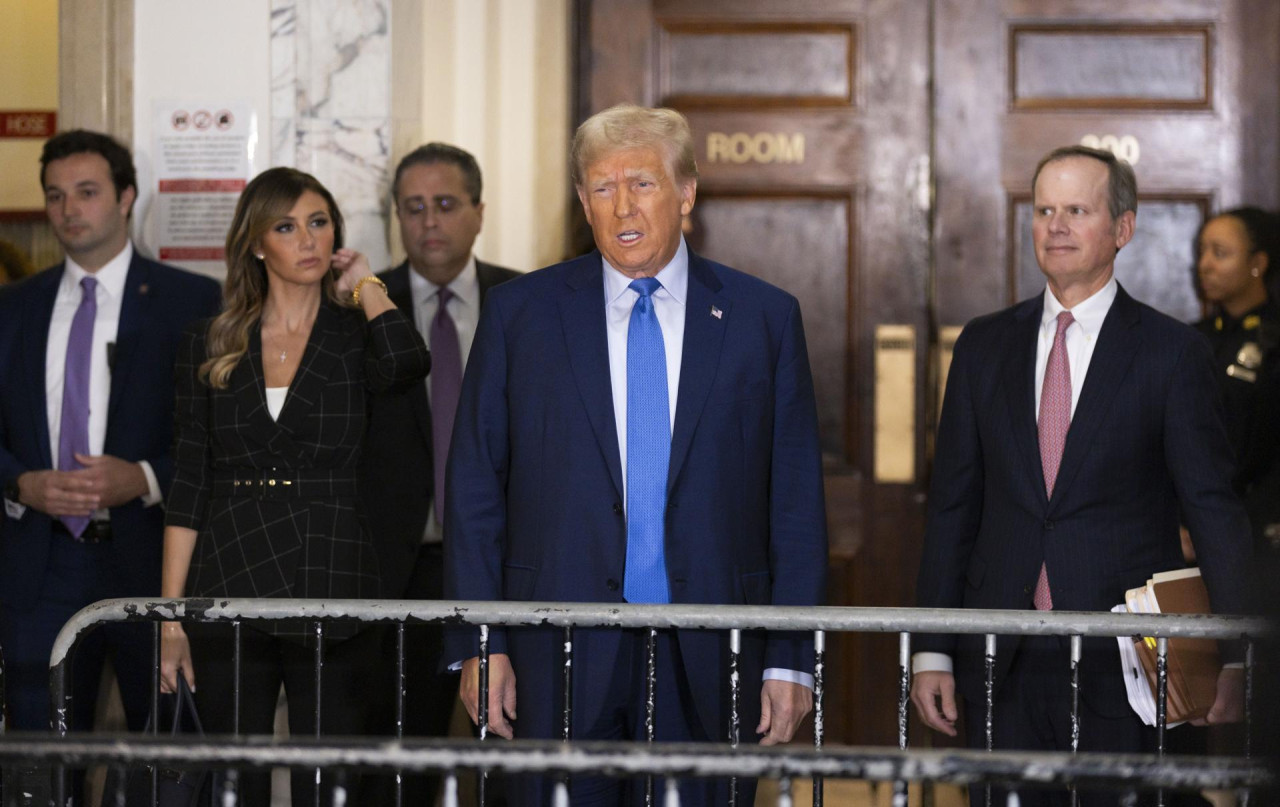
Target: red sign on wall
x,y
28,124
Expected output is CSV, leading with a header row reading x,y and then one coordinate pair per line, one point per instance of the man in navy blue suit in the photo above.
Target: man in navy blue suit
x,y
86,407
1079,428
637,425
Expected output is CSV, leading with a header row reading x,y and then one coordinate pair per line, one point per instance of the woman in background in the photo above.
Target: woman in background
x,y
1238,256
271,405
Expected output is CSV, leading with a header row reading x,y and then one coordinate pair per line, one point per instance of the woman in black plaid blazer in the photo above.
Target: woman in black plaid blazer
x,y
272,398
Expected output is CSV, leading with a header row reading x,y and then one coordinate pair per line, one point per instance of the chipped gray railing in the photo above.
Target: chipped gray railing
x,y
734,619
666,761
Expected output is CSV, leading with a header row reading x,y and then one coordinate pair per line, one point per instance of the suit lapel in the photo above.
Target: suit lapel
x,y
134,304
703,340
582,315
323,350
1020,394
35,340
248,385
1118,341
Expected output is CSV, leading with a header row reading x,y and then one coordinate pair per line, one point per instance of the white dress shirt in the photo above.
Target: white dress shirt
x,y
110,296
669,306
1082,337
464,308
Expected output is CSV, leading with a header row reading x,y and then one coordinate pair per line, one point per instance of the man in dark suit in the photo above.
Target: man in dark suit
x,y
637,425
86,407
437,193
1078,427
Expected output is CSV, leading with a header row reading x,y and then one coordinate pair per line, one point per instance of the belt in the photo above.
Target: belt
x,y
97,532
281,484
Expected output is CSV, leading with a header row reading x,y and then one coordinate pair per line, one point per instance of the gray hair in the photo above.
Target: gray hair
x,y
1122,186
628,126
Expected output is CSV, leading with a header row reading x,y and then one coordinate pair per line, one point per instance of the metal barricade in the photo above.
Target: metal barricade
x,y
663,761
732,619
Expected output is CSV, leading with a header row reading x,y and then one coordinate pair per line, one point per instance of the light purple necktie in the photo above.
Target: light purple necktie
x,y
1055,419
446,382
73,434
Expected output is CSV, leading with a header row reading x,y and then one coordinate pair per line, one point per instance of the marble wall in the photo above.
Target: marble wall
x,y
331,106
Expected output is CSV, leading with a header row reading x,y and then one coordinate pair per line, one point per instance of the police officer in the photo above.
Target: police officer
x,y
1237,268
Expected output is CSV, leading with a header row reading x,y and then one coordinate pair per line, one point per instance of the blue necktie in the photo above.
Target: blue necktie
x,y
648,450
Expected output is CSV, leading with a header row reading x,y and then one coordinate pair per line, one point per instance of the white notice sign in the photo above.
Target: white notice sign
x,y
203,156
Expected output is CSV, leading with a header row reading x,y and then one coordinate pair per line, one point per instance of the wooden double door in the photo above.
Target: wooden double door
x,y
873,157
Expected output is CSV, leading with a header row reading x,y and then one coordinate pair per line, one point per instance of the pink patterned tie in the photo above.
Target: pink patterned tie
x,y
1055,419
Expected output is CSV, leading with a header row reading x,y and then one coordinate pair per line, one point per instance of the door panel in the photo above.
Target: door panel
x,y
874,159
1164,83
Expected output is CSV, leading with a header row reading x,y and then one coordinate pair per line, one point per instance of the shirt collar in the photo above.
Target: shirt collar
x,y
674,277
465,287
111,277
1089,314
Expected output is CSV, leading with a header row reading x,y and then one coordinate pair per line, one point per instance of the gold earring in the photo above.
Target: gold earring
x,y
1256,272
259,257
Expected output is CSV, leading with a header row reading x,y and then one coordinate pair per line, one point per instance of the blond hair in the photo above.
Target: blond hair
x,y
629,126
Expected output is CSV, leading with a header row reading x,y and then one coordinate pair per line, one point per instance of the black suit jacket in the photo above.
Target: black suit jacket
x,y
397,478
1146,444
158,303
310,545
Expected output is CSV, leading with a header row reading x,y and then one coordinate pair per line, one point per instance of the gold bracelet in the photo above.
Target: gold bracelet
x,y
355,293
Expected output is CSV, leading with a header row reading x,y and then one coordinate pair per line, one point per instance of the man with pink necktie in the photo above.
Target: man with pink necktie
x,y
1079,427
86,412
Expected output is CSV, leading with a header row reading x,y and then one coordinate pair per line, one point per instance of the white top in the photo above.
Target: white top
x,y
275,400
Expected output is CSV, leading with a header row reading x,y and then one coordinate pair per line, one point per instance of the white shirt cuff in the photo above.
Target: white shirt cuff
x,y
14,510
152,496
804,679
930,662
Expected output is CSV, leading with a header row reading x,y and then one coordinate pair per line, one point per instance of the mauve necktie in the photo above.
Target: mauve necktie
x,y
1055,419
446,382
648,450
73,433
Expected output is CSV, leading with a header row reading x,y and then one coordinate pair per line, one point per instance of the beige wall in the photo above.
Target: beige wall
x,y
29,65
492,76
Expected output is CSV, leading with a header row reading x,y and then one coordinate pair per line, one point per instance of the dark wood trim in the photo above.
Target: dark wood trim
x,y
1204,29
663,49
22,216
853,314
1205,200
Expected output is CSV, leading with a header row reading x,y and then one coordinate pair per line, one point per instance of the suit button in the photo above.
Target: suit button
x,y
617,508
1028,589
1048,525
611,584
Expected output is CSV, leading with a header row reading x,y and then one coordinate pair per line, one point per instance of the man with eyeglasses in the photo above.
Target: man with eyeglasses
x,y
436,191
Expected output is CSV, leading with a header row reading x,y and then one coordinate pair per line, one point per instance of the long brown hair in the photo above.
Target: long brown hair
x,y
266,199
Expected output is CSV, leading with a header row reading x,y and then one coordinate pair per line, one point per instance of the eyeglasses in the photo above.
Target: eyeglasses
x,y
442,205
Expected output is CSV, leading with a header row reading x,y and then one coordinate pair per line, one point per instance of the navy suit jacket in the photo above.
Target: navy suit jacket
x,y
397,472
534,500
1146,449
158,303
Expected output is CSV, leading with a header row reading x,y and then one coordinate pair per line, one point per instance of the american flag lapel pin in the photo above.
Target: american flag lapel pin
x,y
717,313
